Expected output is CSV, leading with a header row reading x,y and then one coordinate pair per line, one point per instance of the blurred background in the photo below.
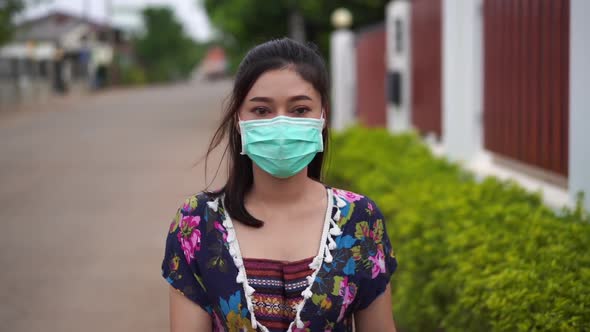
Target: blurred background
x,y
468,120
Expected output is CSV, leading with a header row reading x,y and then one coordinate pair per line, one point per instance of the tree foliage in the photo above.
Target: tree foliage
x,y
245,23
165,51
8,9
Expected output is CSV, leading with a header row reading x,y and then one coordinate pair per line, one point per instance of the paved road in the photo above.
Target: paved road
x,y
87,190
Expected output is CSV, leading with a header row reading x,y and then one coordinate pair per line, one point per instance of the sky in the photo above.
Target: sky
x,y
126,12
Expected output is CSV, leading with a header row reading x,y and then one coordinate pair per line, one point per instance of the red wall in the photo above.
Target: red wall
x,y
526,68
370,73
426,34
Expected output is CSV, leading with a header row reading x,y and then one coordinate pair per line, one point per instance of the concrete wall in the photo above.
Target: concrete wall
x,y
579,132
16,92
8,93
28,86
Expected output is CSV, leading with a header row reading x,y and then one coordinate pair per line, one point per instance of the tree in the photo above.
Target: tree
x,y
245,23
8,9
165,51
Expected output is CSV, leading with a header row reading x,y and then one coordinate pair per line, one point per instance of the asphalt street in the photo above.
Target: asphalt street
x,y
88,187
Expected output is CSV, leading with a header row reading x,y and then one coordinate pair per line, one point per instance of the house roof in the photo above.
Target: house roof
x,y
52,26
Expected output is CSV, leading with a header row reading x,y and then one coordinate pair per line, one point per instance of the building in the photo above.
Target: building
x,y
58,52
214,64
499,86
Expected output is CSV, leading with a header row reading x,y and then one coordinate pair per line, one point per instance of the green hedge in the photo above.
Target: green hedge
x,y
473,255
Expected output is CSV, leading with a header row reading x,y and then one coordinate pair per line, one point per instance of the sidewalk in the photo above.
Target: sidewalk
x,y
52,102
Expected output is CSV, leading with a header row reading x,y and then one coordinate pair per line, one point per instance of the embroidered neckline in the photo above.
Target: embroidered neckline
x,y
327,244
278,261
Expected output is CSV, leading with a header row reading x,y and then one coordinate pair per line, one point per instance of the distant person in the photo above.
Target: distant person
x,y
62,70
101,77
276,249
59,80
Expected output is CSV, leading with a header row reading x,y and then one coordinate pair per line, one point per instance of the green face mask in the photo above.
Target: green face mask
x,y
282,146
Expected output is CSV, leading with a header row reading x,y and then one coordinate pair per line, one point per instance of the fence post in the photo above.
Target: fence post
x,y
398,61
343,71
462,78
579,117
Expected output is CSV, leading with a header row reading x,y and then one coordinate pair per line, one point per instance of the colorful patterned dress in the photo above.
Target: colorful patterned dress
x,y
353,267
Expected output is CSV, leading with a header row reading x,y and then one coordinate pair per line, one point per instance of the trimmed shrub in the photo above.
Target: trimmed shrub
x,y
473,256
133,75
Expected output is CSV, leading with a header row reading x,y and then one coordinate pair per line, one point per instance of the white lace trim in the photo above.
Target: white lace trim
x,y
327,244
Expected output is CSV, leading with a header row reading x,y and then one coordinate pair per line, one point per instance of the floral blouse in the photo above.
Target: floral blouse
x,y
353,266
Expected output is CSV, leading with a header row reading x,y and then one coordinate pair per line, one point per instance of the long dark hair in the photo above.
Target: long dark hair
x,y
275,54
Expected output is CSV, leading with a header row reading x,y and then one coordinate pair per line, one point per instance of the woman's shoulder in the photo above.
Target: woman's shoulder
x,y
354,208
193,221
346,198
195,211
364,243
198,203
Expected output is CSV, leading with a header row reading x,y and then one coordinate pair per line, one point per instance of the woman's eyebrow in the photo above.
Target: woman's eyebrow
x,y
300,97
262,99
291,99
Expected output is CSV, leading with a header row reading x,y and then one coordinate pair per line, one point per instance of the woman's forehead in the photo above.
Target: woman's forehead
x,y
282,83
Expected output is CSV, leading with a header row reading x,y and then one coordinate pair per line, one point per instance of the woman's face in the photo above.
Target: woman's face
x,y
281,92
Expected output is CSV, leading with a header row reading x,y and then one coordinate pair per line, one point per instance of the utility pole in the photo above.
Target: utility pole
x,y
108,4
86,9
296,24
108,10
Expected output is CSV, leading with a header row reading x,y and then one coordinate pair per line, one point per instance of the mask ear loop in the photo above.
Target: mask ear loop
x,y
240,131
323,118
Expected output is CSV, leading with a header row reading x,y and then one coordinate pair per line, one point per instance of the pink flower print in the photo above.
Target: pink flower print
x,y
348,292
378,263
190,236
220,228
217,324
349,196
370,207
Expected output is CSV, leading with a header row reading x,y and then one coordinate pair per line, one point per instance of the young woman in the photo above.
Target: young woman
x,y
276,249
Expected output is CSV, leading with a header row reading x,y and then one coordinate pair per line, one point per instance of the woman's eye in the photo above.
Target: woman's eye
x,y
260,111
301,110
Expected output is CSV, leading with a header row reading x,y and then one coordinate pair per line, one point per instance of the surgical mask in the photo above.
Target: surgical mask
x,y
282,146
